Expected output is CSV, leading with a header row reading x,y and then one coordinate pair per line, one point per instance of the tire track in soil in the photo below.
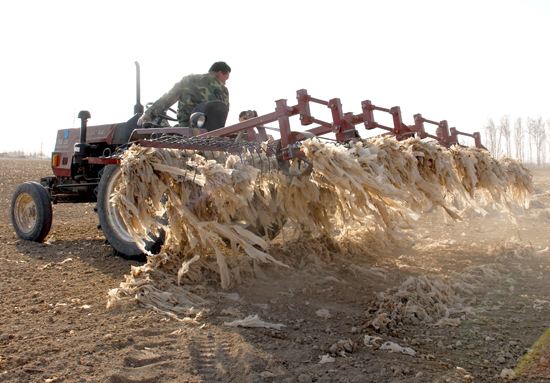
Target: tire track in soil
x,y
210,357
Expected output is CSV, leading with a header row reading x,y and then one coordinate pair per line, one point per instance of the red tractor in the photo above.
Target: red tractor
x,y
85,161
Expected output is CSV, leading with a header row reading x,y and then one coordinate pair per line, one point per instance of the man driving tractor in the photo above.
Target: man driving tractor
x,y
205,93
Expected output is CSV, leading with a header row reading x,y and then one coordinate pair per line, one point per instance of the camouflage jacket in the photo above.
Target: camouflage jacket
x,y
190,91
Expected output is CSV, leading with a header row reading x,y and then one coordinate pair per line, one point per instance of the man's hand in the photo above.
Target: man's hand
x,y
144,119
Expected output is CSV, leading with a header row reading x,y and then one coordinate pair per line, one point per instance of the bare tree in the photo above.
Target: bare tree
x,y
504,133
537,135
519,138
491,137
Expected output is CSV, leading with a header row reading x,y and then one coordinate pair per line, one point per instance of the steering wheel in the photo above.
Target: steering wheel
x,y
164,116
158,118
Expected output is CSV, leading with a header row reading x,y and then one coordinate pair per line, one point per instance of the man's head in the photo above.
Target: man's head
x,y
247,114
221,70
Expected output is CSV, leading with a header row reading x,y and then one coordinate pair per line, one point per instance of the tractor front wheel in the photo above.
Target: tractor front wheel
x,y
31,211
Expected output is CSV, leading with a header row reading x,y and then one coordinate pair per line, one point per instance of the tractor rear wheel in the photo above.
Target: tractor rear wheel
x,y
111,222
31,211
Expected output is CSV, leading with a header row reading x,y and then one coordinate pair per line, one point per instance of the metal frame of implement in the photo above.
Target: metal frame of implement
x,y
342,124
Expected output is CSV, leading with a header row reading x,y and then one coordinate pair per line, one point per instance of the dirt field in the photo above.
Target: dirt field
x,y
55,326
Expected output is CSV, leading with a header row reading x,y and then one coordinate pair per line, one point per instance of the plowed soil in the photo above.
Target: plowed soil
x,y
55,326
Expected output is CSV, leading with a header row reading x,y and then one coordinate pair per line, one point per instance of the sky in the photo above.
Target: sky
x,y
462,61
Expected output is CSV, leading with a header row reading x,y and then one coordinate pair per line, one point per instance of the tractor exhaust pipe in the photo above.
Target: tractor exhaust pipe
x,y
84,115
138,108
81,148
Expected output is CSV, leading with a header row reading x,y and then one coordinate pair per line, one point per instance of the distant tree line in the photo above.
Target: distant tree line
x,y
525,141
22,154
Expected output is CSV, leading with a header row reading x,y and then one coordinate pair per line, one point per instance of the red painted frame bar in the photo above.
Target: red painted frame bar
x,y
342,125
476,136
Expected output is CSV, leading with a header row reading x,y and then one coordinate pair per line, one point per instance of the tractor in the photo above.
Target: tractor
x,y
85,161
